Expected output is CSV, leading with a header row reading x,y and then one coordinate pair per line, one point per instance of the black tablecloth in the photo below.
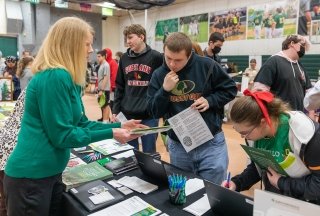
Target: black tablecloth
x,y
158,198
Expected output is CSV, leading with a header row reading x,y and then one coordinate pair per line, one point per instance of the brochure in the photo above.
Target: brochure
x,y
151,130
263,159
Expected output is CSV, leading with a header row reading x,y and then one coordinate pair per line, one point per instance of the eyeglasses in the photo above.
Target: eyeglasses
x,y
245,134
11,61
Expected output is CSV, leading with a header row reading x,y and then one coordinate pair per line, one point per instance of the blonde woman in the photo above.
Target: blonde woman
x,y
24,71
54,121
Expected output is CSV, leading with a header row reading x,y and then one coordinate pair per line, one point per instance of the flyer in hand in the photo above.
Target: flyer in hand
x,y
263,159
151,130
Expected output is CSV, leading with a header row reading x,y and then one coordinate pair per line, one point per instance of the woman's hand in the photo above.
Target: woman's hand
x,y
132,124
123,135
273,177
232,185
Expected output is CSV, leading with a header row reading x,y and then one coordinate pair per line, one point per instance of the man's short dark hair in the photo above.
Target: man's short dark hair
x,y
178,41
102,53
216,36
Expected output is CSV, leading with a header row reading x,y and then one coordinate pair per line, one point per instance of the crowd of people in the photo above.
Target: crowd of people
x,y
144,85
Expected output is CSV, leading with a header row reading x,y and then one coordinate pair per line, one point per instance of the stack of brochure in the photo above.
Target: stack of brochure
x,y
122,165
79,175
109,146
132,206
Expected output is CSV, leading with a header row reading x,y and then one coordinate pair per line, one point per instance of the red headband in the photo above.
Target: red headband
x,y
260,97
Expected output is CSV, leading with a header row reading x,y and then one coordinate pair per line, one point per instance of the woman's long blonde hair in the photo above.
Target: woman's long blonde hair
x,y
64,47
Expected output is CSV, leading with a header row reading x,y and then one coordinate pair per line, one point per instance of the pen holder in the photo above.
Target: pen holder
x,y
178,196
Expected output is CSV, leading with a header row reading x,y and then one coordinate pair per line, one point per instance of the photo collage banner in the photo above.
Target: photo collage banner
x,y
261,21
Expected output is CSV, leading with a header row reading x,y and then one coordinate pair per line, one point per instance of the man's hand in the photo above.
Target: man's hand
x,y
201,104
133,124
100,93
123,135
170,81
273,177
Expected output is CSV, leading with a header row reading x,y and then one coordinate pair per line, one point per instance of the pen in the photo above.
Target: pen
x,y
228,180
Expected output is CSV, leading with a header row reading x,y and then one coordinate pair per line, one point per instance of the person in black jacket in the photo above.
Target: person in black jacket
x,y
268,124
181,82
134,73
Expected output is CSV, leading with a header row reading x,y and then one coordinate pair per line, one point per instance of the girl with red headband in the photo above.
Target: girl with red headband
x,y
267,123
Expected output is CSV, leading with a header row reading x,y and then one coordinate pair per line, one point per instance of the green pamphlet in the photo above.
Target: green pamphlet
x,y
79,175
263,159
151,130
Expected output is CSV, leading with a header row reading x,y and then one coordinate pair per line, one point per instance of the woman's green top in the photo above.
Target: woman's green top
x,y
53,122
278,145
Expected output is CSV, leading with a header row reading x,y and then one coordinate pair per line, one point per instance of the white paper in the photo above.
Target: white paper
x,y
190,128
101,197
109,146
114,183
127,207
125,190
244,83
121,117
137,184
125,154
271,204
193,185
199,207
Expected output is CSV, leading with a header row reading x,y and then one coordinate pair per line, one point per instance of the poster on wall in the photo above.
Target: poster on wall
x,y
230,23
195,26
165,27
275,20
309,18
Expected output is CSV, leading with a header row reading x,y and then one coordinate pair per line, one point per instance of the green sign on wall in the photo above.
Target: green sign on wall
x,y
33,1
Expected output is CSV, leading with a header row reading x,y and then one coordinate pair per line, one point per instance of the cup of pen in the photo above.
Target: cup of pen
x,y
177,185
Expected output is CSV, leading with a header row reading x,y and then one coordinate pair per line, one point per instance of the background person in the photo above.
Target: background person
x,y
283,73
251,72
54,121
215,44
24,71
104,85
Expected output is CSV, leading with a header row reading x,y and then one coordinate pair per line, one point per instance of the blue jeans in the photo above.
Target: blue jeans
x,y
148,141
210,160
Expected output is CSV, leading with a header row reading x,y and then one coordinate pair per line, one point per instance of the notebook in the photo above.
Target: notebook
x,y
121,165
152,167
226,202
97,191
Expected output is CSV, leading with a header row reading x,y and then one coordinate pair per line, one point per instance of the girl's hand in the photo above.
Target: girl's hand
x,y
273,177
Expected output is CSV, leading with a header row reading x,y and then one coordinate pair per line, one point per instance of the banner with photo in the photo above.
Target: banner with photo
x,y
195,26
274,20
309,19
164,28
231,23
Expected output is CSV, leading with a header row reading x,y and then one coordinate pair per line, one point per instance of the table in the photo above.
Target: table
x,y
159,198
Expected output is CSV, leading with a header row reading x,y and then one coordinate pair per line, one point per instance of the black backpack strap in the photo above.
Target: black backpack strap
x,y
304,145
210,72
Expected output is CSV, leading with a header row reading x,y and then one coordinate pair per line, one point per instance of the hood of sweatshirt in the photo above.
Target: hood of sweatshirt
x,y
109,55
132,54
